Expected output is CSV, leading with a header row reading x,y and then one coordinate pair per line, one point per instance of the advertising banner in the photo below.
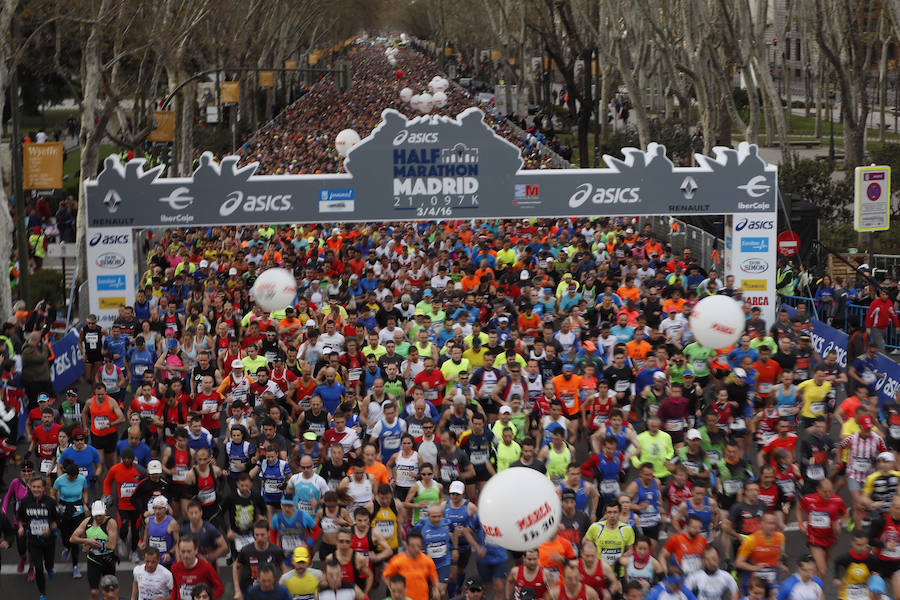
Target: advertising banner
x,y
752,260
266,79
231,92
165,126
42,166
111,272
67,363
437,168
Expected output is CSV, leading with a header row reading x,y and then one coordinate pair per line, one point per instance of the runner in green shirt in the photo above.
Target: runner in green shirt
x,y
698,360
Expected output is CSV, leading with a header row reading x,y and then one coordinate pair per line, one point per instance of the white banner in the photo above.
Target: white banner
x,y
112,272
751,259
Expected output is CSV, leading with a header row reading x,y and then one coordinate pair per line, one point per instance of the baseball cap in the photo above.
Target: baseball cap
x,y
154,467
237,364
687,373
109,582
285,499
474,583
739,372
659,375
524,275
204,263
555,428
71,393
569,494
505,410
43,398
232,271
311,436
865,422
77,432
568,366
98,507
886,456
457,487
160,502
692,434
172,344
301,554
427,293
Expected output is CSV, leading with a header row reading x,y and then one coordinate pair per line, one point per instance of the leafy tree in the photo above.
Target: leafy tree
x,y
813,180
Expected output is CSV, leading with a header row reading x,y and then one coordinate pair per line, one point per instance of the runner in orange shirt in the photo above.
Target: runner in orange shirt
x,y
638,349
760,551
687,546
767,372
568,390
417,567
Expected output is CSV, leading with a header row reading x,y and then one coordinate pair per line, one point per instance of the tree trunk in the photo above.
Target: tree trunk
x,y
186,130
91,131
723,134
882,87
605,91
752,131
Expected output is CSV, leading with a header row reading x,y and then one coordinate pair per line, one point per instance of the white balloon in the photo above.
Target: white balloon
x,y
440,84
519,509
427,102
439,99
345,140
406,94
416,102
392,61
274,289
717,321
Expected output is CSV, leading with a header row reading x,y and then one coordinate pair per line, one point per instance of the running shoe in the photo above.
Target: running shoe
x,y
76,574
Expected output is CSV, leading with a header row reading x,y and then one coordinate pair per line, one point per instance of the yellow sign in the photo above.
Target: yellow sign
x,y
290,64
314,56
448,51
165,126
754,285
231,92
266,79
512,60
110,302
495,55
43,166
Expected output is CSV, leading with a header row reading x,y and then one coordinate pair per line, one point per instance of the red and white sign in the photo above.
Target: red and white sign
x,y
788,243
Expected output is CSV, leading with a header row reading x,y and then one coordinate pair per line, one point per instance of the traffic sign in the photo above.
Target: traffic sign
x,y
872,198
788,243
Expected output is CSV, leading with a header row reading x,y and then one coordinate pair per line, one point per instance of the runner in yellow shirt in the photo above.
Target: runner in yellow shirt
x,y
813,394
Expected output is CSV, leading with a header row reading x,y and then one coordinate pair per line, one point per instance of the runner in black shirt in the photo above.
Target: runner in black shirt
x,y
38,520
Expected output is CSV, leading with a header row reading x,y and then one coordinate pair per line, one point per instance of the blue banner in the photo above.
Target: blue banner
x,y
826,338
68,364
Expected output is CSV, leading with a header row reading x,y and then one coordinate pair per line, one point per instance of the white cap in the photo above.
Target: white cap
x,y
154,467
160,501
886,456
692,434
524,275
739,372
237,364
204,263
505,410
232,271
659,375
98,508
457,487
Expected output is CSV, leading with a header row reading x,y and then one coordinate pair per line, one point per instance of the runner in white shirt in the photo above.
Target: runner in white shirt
x,y
672,327
711,582
152,581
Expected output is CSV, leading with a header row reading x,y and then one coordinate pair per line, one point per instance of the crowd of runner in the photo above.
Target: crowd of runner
x,y
336,449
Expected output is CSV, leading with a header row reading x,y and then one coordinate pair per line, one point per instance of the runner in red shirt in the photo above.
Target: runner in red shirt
x,y
45,441
151,410
528,575
821,524
208,402
432,381
785,439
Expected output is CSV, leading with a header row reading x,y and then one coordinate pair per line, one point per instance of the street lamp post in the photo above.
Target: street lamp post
x,y
831,98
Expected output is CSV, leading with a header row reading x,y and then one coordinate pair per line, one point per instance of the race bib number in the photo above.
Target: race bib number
x,y
236,465
210,405
739,425
354,374
819,519
700,365
862,464
857,591
479,457
185,590
869,377
785,410
650,518
91,339
816,472
46,464
431,394
674,425
765,388
159,544
610,555
385,528
894,431
768,574
206,497
437,550
180,473
101,423
817,408
732,486
289,542
39,527
139,370
126,490
623,385
609,488
391,443
271,486
787,486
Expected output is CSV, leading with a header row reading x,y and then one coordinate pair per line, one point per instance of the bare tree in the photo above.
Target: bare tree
x,y
7,60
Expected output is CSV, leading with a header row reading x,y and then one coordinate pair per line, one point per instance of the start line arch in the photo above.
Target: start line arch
x,y
434,168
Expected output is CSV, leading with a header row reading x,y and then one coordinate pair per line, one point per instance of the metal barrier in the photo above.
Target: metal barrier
x,y
889,263
856,318
704,245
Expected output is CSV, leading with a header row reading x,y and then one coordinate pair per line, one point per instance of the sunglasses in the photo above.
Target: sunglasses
x,y
428,474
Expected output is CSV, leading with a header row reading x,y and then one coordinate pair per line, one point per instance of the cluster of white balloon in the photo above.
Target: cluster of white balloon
x,y
426,102
391,54
345,140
